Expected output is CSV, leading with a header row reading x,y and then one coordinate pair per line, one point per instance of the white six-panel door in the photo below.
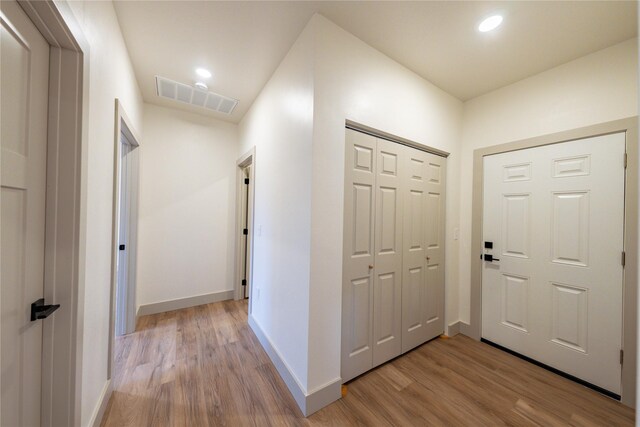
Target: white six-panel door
x,y
393,274
555,217
23,134
423,248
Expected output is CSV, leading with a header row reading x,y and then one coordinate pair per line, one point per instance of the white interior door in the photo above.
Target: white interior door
x,y
245,237
124,233
24,71
387,266
393,271
359,250
554,215
423,253
436,172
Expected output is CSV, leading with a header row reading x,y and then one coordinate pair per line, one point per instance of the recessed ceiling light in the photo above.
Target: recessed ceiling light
x,y
491,23
203,73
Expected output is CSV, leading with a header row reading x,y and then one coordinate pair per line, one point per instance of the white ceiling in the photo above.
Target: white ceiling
x,y
242,43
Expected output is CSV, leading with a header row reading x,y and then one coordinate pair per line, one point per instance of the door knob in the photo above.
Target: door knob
x,y
370,266
41,311
490,258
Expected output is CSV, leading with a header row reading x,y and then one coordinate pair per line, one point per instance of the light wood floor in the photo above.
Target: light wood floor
x,y
203,366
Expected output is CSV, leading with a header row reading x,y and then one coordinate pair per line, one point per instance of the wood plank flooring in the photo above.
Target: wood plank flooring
x,y
203,366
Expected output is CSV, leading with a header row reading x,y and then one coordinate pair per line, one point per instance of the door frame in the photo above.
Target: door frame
x,y
65,216
123,125
630,274
247,159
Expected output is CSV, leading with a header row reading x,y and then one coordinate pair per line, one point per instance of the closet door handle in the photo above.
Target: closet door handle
x,y
370,266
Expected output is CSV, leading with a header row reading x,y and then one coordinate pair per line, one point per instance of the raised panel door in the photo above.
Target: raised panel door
x,y
359,254
387,297
555,215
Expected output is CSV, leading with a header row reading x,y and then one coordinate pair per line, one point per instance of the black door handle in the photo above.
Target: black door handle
x,y
41,311
490,258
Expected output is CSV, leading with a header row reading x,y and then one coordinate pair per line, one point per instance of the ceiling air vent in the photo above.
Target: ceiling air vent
x,y
189,95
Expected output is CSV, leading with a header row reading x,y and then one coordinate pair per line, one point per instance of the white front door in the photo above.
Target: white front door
x,y
24,72
553,292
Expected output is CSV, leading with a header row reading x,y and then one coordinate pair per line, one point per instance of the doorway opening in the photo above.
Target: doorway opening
x,y
246,172
125,232
126,224
244,228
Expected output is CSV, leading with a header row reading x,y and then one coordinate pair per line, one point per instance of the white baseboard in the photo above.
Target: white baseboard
x,y
177,304
323,396
103,402
453,329
465,329
308,403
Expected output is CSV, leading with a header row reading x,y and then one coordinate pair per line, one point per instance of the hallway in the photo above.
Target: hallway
x,y
203,366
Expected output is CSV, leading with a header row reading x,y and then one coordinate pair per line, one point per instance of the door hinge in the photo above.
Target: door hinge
x,y
244,282
246,180
245,231
626,160
121,247
621,356
624,258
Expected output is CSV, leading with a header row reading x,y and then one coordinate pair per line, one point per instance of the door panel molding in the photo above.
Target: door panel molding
x,y
630,127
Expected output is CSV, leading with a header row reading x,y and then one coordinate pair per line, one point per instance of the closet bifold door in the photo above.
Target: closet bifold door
x,y
414,269
358,263
387,281
435,235
423,249
393,271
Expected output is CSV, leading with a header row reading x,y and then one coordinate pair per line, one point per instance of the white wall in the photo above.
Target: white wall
x,y
111,77
187,205
298,127
279,125
354,81
596,88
